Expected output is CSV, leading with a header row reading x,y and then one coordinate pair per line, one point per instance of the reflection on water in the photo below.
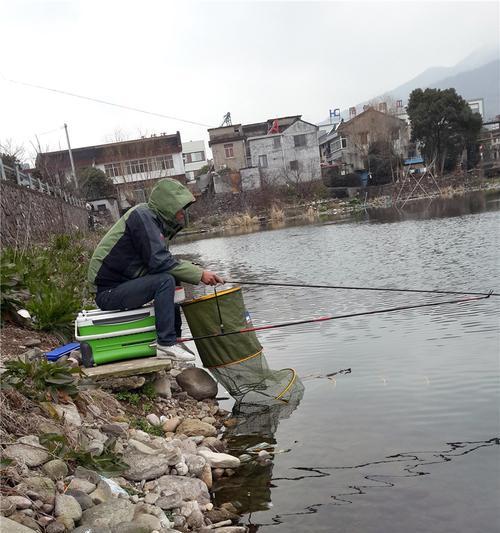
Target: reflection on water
x,y
256,425
418,379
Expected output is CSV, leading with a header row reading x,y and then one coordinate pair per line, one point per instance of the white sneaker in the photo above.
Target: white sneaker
x,y
174,352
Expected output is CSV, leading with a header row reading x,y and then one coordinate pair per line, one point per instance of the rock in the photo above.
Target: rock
x,y
25,521
169,500
191,510
68,507
56,527
220,515
32,354
153,419
230,422
55,469
188,488
20,502
81,485
115,430
27,451
228,506
47,426
67,413
141,447
264,454
88,529
195,464
219,460
215,444
82,498
6,507
89,475
198,383
148,521
181,468
108,514
217,473
230,529
102,493
95,447
206,476
192,426
10,526
124,383
130,527
30,342
151,498
144,466
162,387
44,521
209,420
43,486
47,507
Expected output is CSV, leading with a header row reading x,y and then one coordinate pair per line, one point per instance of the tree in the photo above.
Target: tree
x,y
382,161
95,184
444,125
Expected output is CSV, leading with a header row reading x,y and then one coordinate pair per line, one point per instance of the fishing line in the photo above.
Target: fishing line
x,y
387,289
334,317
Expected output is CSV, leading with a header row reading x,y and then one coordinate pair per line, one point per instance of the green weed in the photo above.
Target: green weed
x,y
142,424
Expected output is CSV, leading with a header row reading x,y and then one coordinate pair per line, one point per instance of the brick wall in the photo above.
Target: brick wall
x,y
29,216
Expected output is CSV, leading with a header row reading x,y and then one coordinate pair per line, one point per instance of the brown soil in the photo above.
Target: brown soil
x,y
12,338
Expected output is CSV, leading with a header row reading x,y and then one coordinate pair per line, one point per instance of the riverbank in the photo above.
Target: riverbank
x,y
283,213
133,454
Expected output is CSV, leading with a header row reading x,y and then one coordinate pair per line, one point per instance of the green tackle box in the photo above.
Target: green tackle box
x,y
112,336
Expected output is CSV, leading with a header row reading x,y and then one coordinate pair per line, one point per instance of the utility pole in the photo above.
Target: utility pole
x,y
71,156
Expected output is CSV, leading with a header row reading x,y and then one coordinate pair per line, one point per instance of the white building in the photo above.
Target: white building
x,y
195,157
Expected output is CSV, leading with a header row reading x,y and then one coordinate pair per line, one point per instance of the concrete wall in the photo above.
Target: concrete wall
x,y
234,163
29,216
250,179
279,157
188,148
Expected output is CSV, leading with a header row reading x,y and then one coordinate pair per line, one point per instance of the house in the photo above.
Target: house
x,y
194,156
134,166
489,147
277,152
347,144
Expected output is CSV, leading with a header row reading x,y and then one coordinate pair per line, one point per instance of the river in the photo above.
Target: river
x,y
405,436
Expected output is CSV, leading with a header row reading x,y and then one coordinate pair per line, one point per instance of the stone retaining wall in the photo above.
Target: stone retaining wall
x,y
29,216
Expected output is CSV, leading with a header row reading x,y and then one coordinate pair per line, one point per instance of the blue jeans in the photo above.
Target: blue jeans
x,y
136,292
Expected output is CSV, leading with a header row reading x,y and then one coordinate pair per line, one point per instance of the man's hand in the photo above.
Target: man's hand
x,y
210,278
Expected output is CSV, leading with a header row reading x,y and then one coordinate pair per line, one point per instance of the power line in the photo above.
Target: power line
x,y
106,102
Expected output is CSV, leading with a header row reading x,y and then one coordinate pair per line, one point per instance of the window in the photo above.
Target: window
x,y
137,166
193,157
101,207
164,162
139,195
228,149
363,137
299,140
263,161
395,135
338,144
276,143
294,165
113,170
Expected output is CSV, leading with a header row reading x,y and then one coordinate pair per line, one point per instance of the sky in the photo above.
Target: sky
x,y
198,60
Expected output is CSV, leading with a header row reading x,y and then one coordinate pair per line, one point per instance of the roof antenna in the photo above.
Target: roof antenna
x,y
226,121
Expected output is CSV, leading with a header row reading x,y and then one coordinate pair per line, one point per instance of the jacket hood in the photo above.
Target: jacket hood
x,y
167,198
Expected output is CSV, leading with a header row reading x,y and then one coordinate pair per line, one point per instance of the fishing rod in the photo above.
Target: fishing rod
x,y
388,289
333,317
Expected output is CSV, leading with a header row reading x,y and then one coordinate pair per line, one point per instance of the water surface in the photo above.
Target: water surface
x,y
407,440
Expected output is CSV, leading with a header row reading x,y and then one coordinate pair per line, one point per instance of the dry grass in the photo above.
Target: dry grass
x,y
19,416
245,219
276,214
310,213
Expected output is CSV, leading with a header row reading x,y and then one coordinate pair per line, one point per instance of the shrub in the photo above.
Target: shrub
x,y
39,379
13,290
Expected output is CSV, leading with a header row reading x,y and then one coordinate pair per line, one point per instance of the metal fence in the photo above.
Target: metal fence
x,y
26,180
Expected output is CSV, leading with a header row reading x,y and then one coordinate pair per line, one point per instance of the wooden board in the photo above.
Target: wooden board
x,y
135,367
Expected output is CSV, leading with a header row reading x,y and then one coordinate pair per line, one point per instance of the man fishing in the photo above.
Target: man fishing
x,y
132,264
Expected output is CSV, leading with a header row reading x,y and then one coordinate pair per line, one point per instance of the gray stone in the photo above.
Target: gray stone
x,y
89,475
108,514
151,498
193,427
219,460
68,507
30,342
170,425
153,419
20,502
130,527
81,485
25,521
116,430
90,529
123,383
10,526
169,500
102,493
95,447
43,486
32,354
162,387
56,527
141,447
6,507
149,521
67,413
27,451
198,383
215,444
82,498
195,464
230,529
56,469
187,487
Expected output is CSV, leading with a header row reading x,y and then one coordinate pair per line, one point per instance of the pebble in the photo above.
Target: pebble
x,y
153,420
20,502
